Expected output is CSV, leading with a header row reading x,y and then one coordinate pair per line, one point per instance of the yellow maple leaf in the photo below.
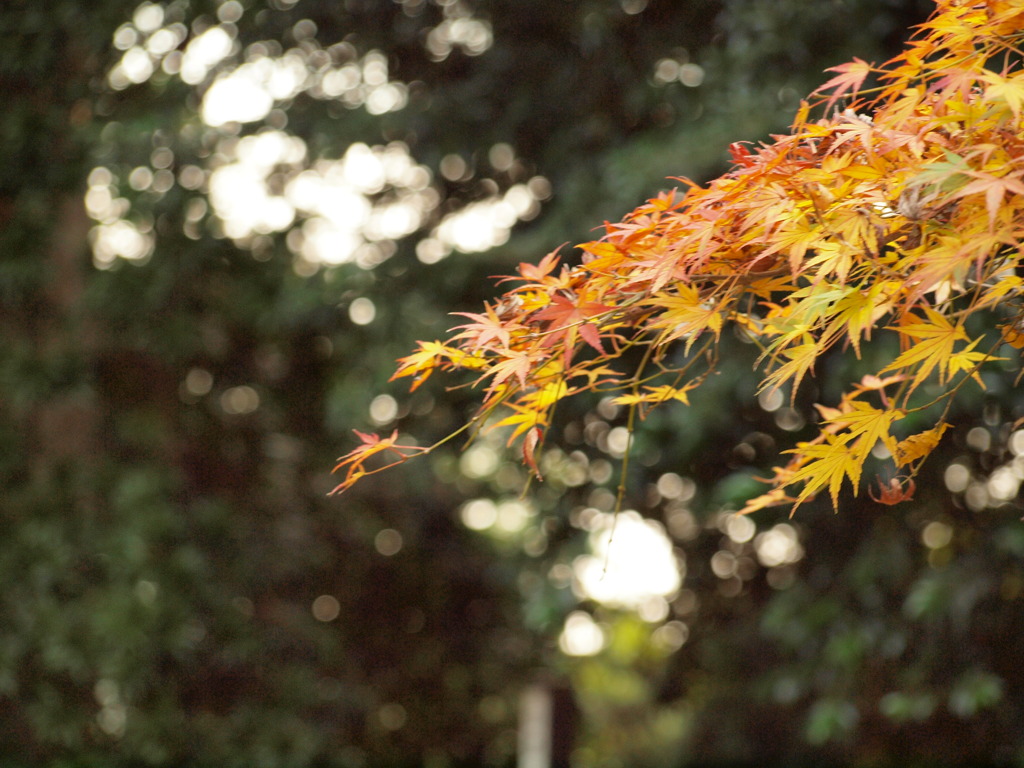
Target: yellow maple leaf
x,y
827,464
655,395
968,360
1008,90
800,359
857,311
532,409
866,425
932,346
772,498
842,453
429,357
685,313
918,446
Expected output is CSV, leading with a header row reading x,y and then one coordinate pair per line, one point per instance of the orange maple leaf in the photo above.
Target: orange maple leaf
x,y
372,444
894,492
530,443
850,78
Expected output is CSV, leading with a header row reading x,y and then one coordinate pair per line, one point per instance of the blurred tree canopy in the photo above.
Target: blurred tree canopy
x,y
222,221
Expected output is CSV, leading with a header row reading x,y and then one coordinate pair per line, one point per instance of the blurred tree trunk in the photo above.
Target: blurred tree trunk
x,y
65,424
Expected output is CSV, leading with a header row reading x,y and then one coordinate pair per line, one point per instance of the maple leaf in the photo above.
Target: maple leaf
x,y
532,408
741,155
801,358
869,425
995,189
872,383
602,256
944,175
522,419
422,363
827,464
841,454
968,360
795,237
1003,288
371,445
850,78
1013,334
773,498
684,313
566,318
530,443
894,492
918,446
855,313
431,356
655,395
934,340
1009,90
514,363
538,272
487,327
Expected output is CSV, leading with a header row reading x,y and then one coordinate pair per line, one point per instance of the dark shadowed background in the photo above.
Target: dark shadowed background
x,y
221,222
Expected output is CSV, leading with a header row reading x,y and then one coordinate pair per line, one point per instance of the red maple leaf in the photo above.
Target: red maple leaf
x,y
566,318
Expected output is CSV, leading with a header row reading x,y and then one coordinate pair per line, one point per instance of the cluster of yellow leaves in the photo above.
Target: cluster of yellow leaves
x,y
900,216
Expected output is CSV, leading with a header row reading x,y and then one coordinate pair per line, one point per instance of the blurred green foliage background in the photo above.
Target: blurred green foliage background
x,y
220,222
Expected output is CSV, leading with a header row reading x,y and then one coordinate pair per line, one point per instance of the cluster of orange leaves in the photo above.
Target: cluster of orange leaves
x,y
900,215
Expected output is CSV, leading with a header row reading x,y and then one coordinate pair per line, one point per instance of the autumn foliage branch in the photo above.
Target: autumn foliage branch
x,y
900,216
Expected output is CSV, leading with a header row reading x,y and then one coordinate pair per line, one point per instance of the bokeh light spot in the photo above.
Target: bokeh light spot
x,y
771,400
671,636
513,515
632,561
957,477
479,461
383,410
740,528
778,546
388,542
148,17
980,439
581,636
479,514
326,608
392,716
936,535
198,382
362,311
672,486
239,401
691,75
